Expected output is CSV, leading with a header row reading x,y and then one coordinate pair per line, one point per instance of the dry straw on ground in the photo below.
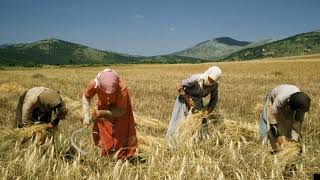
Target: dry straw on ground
x,y
192,129
11,87
11,137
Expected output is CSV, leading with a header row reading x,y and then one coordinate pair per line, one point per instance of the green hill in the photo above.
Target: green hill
x,y
218,48
59,52
306,43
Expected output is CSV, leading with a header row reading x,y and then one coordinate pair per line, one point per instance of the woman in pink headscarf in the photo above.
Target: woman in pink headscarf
x,y
113,127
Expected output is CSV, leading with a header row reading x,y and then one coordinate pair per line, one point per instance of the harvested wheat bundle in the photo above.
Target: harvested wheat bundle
x,y
192,129
236,131
288,157
20,136
188,130
27,132
289,152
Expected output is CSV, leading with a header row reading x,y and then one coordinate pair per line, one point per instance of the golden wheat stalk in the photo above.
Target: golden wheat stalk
x,y
189,130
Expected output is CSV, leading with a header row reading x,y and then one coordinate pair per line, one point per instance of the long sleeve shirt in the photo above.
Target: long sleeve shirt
x,y
34,104
284,116
280,95
119,133
192,87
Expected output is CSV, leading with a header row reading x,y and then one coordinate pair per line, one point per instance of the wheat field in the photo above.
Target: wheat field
x,y
152,88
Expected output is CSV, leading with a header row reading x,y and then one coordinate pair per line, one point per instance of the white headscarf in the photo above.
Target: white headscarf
x,y
213,72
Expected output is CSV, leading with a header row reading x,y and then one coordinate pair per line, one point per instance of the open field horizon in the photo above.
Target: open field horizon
x,y
242,88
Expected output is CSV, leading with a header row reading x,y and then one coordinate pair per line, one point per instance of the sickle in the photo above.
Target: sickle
x,y
73,144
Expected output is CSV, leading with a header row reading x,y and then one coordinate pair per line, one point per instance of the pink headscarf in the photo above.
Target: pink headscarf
x,y
108,81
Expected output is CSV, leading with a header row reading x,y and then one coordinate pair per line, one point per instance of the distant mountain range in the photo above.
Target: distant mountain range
x,y
59,52
306,43
218,48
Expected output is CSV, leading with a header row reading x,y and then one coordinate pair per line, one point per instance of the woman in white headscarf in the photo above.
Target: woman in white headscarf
x,y
191,91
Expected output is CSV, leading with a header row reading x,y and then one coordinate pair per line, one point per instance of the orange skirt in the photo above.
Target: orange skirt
x,y
118,138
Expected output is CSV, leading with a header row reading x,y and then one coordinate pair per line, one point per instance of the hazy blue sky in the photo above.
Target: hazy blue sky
x,y
151,27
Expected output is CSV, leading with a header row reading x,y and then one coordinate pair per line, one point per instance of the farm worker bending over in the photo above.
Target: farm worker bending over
x,y
40,105
191,91
113,123
285,107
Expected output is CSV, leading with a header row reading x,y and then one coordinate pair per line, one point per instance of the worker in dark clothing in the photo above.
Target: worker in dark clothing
x,y
190,100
